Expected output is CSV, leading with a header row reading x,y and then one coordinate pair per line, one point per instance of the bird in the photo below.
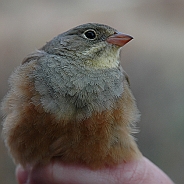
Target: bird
x,y
71,100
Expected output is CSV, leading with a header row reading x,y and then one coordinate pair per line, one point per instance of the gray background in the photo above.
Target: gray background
x,y
153,60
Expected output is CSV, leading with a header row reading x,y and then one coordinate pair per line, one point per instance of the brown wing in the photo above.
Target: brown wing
x,y
33,56
126,77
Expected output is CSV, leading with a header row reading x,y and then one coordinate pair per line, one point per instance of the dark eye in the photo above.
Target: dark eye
x,y
90,34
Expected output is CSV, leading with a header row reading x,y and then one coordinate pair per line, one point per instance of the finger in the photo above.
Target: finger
x,y
141,171
22,174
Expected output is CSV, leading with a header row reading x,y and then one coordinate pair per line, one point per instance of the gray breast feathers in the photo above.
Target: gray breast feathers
x,y
68,89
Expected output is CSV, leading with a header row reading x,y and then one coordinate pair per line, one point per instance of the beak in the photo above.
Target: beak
x,y
119,39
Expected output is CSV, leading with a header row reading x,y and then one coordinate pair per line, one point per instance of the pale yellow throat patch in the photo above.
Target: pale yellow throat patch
x,y
108,59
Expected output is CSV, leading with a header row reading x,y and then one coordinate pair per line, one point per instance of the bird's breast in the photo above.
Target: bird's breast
x,y
72,91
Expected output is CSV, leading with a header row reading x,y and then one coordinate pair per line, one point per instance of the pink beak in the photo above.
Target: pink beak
x,y
119,39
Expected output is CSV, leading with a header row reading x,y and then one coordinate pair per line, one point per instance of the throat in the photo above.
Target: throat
x,y
102,57
103,63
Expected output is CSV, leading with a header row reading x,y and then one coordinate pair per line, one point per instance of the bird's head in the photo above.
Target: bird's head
x,y
91,44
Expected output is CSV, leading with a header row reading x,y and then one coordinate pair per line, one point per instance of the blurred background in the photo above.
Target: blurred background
x,y
154,61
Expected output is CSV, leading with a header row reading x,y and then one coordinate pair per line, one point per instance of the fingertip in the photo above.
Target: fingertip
x,y
32,175
21,174
153,173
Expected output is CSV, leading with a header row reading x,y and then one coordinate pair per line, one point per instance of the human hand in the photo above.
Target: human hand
x,y
141,171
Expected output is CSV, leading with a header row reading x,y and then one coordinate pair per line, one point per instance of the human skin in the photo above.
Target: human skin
x,y
141,171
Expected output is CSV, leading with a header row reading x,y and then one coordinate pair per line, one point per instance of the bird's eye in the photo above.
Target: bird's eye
x,y
90,34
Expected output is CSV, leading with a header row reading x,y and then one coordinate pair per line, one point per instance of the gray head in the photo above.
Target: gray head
x,y
89,43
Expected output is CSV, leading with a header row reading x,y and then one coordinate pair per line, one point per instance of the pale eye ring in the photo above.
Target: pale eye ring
x,y
90,34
